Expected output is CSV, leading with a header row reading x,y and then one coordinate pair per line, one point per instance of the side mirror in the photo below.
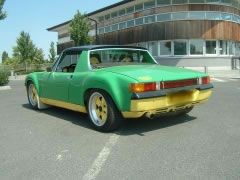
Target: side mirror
x,y
49,69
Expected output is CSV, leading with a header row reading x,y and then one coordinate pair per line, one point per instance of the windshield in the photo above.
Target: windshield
x,y
117,57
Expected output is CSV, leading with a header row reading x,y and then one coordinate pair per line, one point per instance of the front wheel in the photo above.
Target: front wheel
x,y
103,112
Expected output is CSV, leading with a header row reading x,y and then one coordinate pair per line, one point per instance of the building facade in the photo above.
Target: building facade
x,y
176,32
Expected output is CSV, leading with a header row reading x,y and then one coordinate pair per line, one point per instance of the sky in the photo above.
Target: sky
x,y
35,16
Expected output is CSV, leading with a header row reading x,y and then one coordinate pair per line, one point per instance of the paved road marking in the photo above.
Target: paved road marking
x,y
59,157
101,159
218,80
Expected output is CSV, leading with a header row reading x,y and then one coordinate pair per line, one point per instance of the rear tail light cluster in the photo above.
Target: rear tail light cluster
x,y
181,83
154,86
143,87
206,80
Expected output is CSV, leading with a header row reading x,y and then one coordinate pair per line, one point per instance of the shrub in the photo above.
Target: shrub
x,y
4,77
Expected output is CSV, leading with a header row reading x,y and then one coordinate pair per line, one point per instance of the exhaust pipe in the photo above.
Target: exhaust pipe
x,y
149,115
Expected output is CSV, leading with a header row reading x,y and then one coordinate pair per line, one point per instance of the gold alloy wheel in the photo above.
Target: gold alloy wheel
x,y
32,95
98,109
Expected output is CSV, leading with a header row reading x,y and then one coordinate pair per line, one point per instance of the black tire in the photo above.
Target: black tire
x,y
33,98
102,111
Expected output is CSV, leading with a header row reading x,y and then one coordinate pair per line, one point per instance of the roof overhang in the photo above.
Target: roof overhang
x,y
55,28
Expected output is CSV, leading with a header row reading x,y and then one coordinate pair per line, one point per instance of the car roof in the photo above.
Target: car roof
x,y
94,47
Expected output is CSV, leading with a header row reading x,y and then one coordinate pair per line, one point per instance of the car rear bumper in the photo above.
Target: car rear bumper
x,y
170,102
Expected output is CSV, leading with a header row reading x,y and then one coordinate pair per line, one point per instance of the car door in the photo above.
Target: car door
x,y
58,81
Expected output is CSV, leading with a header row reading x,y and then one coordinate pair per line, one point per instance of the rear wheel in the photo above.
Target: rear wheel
x,y
33,97
103,112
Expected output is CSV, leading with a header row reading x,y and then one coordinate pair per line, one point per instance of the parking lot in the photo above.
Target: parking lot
x,y
60,144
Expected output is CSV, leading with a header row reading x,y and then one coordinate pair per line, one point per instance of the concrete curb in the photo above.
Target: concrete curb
x,y
2,88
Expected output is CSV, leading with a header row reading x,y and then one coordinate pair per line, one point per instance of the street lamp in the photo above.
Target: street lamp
x,y
96,28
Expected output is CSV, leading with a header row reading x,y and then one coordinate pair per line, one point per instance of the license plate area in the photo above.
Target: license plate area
x,y
180,97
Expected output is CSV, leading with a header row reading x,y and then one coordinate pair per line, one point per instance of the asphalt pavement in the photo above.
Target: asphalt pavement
x,y
60,144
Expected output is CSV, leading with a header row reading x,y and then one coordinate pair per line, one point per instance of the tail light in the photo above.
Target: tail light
x,y
143,87
206,80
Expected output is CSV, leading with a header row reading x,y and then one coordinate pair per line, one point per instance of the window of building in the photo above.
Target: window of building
x,y
122,12
235,3
231,46
130,23
226,16
163,2
211,47
179,16
107,16
227,2
107,29
149,19
196,47
101,30
165,48
139,7
213,1
223,50
235,18
101,18
213,15
122,25
153,48
114,14
180,48
149,4
143,44
130,10
179,1
138,21
196,1
115,27
197,15
164,17
237,49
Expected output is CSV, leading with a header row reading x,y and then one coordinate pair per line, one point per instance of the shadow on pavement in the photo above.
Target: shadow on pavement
x,y
77,118
129,127
143,125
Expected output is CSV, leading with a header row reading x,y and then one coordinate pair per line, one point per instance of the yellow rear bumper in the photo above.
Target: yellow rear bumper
x,y
170,102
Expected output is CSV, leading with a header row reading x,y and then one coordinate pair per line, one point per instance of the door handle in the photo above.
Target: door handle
x,y
70,77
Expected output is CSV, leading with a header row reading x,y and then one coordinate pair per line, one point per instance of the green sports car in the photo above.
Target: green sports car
x,y
115,82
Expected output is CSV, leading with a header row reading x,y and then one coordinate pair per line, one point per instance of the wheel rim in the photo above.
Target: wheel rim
x,y
32,95
98,109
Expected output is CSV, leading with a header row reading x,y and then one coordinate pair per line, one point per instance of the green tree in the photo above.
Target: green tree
x,y
52,53
26,52
4,56
79,28
3,14
38,56
25,49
